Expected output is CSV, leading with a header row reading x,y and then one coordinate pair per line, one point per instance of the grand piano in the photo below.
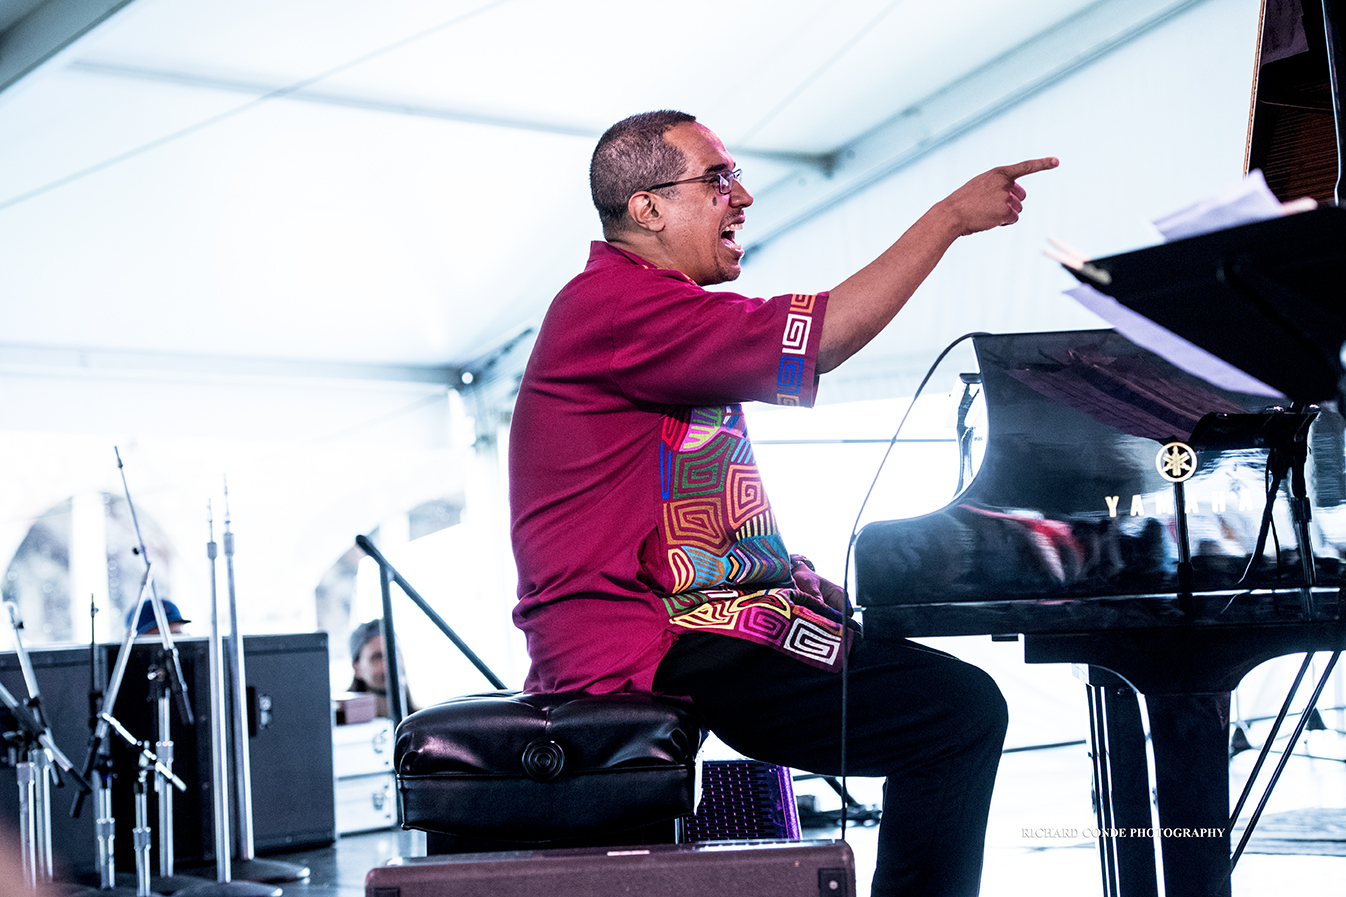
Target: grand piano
x,y
1161,532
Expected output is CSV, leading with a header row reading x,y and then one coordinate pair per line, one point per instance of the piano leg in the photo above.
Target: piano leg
x,y
1186,674
1190,733
1121,787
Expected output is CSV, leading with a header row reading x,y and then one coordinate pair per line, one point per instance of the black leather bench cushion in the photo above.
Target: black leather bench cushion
x,y
533,768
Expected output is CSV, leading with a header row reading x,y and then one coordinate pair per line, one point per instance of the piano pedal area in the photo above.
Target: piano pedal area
x,y
1041,837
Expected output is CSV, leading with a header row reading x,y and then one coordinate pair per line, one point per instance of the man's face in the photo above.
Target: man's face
x,y
702,227
369,665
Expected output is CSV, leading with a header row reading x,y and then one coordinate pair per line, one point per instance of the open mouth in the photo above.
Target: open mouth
x,y
729,236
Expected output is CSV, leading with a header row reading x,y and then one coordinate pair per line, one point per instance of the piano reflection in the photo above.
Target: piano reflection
x,y
1131,517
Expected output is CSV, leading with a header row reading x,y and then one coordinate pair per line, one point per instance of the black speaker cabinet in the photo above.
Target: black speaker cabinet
x,y
290,746
740,868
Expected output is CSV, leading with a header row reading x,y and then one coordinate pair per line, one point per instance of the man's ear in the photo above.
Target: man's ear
x,y
644,209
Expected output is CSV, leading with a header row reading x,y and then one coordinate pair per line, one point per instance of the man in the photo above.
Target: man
x,y
648,555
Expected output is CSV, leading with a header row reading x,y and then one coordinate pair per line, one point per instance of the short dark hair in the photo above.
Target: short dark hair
x,y
630,156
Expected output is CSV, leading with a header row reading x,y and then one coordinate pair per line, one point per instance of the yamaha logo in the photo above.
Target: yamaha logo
x,y
1176,462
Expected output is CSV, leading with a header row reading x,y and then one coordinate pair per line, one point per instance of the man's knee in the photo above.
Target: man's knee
x,y
988,713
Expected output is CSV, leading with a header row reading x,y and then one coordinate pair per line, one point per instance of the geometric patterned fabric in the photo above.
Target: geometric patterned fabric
x,y
731,571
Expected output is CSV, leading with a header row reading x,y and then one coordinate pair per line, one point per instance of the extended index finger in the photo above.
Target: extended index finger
x,y
1031,166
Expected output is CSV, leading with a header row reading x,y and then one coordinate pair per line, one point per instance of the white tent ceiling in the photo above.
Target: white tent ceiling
x,y
391,190
298,222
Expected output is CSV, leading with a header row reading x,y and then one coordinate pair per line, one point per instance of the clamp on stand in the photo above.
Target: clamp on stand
x,y
964,432
146,760
38,753
161,691
99,765
1284,432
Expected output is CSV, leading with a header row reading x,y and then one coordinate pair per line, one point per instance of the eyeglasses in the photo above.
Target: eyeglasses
x,y
724,181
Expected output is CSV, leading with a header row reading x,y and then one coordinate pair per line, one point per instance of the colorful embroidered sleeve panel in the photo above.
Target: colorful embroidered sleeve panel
x,y
794,346
632,478
730,567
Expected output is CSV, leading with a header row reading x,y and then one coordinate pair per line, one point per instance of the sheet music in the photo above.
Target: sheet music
x,y
1248,201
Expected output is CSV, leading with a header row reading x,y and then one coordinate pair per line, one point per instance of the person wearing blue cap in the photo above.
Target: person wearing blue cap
x,y
146,624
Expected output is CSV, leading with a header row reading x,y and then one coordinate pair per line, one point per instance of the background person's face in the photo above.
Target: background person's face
x,y
369,666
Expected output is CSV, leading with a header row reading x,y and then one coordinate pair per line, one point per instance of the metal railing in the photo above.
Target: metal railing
x,y
397,696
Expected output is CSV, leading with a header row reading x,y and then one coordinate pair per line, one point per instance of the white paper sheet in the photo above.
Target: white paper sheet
x,y
1248,201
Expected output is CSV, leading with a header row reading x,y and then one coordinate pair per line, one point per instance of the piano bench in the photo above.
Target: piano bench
x,y
512,771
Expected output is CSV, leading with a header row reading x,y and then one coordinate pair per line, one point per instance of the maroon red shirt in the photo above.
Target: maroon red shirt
x,y
637,508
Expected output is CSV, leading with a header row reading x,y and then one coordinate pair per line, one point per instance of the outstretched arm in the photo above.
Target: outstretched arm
x,y
864,303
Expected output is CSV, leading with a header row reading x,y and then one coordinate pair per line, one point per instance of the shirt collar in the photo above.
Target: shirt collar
x,y
603,254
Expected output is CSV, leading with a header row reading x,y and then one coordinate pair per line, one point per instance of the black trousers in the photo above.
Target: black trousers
x,y
931,724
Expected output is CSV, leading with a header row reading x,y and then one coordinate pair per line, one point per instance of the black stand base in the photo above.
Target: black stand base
x,y
125,883
234,888
268,871
261,871
125,887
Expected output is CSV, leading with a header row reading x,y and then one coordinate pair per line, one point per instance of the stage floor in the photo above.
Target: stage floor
x,y
1041,798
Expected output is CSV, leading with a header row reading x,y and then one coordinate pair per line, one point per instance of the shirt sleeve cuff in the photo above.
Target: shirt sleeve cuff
x,y
796,375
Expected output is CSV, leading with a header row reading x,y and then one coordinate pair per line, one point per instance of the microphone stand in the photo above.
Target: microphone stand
x,y
247,865
99,759
176,680
964,432
99,754
167,682
146,761
167,881
238,682
35,773
224,885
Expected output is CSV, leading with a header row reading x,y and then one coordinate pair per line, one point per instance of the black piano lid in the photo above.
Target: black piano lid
x,y
1069,507
1268,297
